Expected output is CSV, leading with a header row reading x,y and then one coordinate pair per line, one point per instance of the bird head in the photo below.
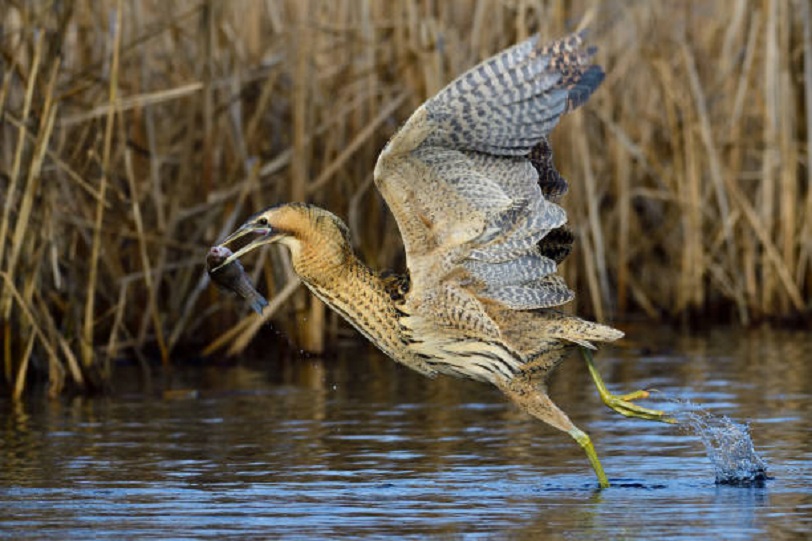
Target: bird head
x,y
291,224
264,229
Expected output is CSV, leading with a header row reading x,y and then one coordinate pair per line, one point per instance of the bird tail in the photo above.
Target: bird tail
x,y
580,331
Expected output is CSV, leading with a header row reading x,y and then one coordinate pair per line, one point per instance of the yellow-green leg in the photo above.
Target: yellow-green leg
x,y
532,398
623,404
586,444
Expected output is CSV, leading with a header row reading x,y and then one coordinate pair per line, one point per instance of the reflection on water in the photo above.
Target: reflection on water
x,y
358,446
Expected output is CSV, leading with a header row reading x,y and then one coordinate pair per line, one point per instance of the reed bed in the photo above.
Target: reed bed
x,y
135,134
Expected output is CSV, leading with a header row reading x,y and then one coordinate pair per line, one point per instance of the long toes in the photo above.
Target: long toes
x,y
636,395
624,407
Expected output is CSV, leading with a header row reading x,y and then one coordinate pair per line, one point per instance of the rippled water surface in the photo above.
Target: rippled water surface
x,y
355,446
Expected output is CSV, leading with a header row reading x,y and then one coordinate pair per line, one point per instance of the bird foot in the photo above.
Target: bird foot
x,y
624,405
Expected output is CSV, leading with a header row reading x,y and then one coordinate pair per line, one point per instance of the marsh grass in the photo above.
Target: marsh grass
x,y
136,134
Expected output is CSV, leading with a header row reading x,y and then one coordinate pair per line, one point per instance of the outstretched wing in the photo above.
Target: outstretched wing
x,y
470,179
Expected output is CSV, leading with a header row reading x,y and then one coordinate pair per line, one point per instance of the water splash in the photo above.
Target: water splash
x,y
728,444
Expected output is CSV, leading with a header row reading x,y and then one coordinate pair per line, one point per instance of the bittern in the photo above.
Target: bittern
x,y
471,183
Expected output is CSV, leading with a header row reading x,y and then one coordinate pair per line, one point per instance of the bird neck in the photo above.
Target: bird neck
x,y
332,271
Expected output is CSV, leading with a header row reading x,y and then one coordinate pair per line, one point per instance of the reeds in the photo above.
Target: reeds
x,y
136,134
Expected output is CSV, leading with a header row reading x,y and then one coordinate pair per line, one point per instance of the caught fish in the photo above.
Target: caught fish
x,y
233,277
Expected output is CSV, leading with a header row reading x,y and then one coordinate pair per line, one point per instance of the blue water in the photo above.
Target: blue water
x,y
356,446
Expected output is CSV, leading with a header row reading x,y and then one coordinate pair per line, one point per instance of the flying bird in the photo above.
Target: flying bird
x,y
471,183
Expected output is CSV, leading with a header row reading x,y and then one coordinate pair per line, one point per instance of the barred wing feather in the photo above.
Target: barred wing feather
x,y
466,176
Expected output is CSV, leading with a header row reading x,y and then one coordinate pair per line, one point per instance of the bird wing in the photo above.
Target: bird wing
x,y
470,180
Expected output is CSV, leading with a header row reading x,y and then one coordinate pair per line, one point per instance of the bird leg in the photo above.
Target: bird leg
x,y
623,404
585,442
531,398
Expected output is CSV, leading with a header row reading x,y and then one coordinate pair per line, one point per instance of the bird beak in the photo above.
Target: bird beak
x,y
265,236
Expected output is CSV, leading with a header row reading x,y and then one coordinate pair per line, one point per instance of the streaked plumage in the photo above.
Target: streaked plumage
x,y
471,183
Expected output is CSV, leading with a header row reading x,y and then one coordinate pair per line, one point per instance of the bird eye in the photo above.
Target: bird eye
x,y
262,221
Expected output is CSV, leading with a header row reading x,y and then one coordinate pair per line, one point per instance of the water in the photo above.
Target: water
x,y
359,447
728,444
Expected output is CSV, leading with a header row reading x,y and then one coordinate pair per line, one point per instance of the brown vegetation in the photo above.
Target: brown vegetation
x,y
135,134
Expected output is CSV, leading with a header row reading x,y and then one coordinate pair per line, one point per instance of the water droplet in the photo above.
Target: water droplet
x,y
728,444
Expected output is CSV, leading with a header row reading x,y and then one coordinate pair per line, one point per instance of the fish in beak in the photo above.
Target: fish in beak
x,y
231,275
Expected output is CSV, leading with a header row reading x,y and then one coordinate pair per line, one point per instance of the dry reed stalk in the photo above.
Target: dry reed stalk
x,y
303,37
247,185
624,203
242,340
56,381
308,334
715,169
239,336
735,156
87,343
804,272
690,291
8,360
591,273
689,168
789,158
58,162
71,363
357,142
685,166
122,105
772,254
16,165
22,240
600,282
21,236
766,201
22,371
151,307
